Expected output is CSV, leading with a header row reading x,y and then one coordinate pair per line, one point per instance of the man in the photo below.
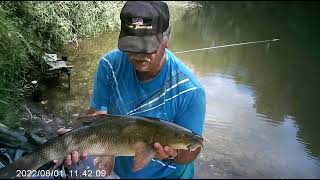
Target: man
x,y
144,78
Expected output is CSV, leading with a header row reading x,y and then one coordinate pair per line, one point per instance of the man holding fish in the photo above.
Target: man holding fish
x,y
144,78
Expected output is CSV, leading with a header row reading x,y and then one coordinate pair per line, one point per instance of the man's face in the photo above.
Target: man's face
x,y
147,62
142,62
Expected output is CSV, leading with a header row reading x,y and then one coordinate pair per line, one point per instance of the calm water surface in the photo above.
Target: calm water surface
x,y
262,99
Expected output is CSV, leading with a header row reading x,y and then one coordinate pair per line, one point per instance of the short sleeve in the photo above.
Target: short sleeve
x,y
192,111
100,94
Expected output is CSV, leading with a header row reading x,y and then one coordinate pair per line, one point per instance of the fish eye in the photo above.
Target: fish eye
x,y
178,136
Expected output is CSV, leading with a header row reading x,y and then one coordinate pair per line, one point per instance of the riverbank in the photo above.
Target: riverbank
x,y
29,29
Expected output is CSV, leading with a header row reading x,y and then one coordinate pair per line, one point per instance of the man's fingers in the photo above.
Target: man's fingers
x,y
75,157
96,160
83,155
161,154
62,131
170,151
57,163
67,161
164,152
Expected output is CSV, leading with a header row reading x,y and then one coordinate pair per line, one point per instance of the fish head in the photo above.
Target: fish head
x,y
179,137
186,140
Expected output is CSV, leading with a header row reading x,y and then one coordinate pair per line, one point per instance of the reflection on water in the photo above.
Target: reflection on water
x,y
241,142
262,99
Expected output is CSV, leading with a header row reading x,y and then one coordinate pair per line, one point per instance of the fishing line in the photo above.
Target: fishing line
x,y
200,49
228,45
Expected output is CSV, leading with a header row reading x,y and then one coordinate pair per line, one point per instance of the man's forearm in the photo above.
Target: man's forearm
x,y
185,156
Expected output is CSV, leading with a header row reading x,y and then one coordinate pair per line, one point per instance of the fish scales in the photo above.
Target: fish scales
x,y
109,135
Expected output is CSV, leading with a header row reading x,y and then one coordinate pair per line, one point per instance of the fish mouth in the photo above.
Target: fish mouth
x,y
193,147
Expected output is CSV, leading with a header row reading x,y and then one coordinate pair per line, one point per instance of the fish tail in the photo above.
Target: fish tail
x,y
20,168
25,166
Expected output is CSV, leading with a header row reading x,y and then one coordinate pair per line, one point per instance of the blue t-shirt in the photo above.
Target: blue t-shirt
x,y
174,95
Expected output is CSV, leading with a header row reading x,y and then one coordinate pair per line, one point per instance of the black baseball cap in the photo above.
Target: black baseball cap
x,y
142,26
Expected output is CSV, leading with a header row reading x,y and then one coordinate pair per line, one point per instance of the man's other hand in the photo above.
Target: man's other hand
x,y
72,158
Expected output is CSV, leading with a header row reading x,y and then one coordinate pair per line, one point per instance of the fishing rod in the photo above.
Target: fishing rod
x,y
228,45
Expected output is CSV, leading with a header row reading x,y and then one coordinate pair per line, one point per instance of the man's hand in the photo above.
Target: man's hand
x,y
164,152
179,156
74,157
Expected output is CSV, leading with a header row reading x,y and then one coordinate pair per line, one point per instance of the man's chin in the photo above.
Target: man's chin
x,y
142,68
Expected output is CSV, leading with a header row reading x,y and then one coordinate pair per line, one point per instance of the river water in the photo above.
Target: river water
x,y
262,99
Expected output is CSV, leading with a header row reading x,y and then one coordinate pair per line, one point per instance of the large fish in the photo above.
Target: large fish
x,y
109,136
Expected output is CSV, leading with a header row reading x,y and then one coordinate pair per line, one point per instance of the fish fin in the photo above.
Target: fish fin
x,y
143,155
88,120
104,163
147,118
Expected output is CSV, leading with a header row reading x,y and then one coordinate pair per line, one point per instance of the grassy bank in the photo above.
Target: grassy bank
x,y
28,29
